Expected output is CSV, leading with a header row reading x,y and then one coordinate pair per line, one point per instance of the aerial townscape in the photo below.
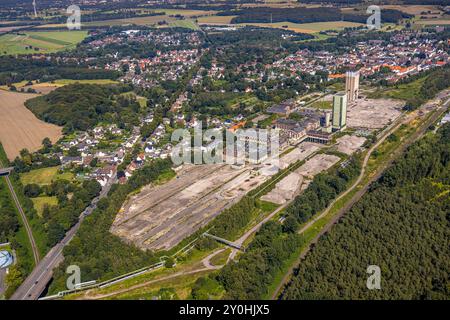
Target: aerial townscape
x,y
224,150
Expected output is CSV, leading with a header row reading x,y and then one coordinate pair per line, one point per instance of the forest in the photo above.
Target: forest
x,y
82,106
400,225
307,15
16,69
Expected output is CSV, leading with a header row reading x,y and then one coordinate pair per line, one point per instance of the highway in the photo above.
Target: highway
x,y
34,247
35,283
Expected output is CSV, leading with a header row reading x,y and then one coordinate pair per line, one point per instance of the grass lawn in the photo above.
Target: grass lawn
x,y
188,24
321,105
39,203
41,41
185,12
221,258
44,176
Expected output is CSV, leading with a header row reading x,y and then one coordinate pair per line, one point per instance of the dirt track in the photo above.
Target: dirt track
x,y
19,128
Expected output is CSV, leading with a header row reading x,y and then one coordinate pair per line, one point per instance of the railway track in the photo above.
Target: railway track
x,y
24,219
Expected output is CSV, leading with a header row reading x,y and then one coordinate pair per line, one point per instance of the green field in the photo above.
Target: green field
x,y
406,92
40,202
188,24
39,42
44,176
321,105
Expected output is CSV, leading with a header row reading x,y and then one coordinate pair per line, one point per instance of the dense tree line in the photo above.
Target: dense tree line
x,y
323,189
11,230
82,106
9,223
401,225
72,200
436,81
99,253
254,273
16,69
307,15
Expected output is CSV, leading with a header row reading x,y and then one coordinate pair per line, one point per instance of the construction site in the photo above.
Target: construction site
x,y
373,114
160,216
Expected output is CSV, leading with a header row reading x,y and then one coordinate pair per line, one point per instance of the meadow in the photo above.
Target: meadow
x,y
44,176
39,41
40,202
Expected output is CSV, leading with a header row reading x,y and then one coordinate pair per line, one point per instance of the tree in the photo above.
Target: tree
x,y
13,280
32,190
169,263
55,233
47,145
93,163
73,152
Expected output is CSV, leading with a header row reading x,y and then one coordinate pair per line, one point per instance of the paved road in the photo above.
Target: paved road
x,y
35,283
34,247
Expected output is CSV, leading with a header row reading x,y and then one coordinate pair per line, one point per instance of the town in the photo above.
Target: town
x,y
223,150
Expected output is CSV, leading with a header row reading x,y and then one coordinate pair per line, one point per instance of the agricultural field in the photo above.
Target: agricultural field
x,y
146,20
310,28
433,22
42,42
44,176
19,127
188,24
414,9
47,87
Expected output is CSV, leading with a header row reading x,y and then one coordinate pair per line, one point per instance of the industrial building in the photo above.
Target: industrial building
x,y
339,111
352,85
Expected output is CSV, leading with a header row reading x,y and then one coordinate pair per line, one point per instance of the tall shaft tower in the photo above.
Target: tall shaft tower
x,y
352,85
339,111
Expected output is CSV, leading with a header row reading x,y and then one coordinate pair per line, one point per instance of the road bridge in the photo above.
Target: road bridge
x,y
6,171
225,241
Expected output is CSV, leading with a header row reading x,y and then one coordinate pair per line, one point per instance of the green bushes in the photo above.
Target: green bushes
x,y
252,275
82,106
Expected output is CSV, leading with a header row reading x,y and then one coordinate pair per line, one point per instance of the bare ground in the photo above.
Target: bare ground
x,y
19,128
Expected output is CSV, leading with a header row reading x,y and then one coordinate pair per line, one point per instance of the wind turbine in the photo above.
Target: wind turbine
x,y
34,6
